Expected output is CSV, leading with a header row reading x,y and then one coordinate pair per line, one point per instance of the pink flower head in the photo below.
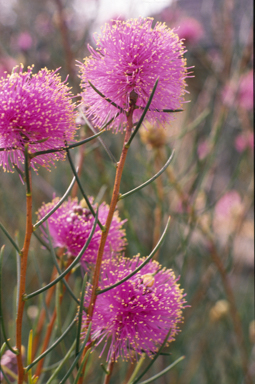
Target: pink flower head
x,y
191,30
137,314
129,57
245,94
70,226
36,110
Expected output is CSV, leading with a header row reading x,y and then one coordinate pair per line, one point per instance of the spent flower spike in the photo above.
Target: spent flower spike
x,y
70,226
137,314
129,57
35,109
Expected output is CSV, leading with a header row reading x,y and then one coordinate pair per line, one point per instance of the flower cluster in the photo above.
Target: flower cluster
x,y
137,314
37,113
35,109
129,57
71,224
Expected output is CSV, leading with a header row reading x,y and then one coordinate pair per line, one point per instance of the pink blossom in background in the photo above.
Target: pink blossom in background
x,y
245,92
227,212
24,41
136,315
203,149
35,109
244,141
239,93
229,94
228,205
241,143
129,57
190,29
170,15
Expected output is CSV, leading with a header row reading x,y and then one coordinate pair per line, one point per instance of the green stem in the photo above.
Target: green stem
x,y
52,346
76,260
81,189
40,222
1,312
122,196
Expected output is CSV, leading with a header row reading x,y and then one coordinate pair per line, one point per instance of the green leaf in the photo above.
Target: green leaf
x,y
107,150
154,358
1,314
137,368
143,114
70,146
140,266
52,346
56,206
76,260
29,355
106,98
84,283
122,196
78,356
81,367
27,170
52,252
153,378
10,238
5,370
82,190
61,364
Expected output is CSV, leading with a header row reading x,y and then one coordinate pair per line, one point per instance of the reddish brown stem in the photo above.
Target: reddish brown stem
x,y
22,286
50,328
114,200
109,369
46,342
41,321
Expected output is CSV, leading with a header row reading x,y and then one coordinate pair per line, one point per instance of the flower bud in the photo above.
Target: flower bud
x,y
153,136
219,310
148,280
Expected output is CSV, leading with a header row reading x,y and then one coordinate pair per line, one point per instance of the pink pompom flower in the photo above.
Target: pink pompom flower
x,y
71,224
35,109
129,57
137,315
